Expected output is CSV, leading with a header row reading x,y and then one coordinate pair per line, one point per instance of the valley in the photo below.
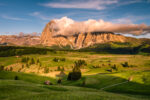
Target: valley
x,y
100,75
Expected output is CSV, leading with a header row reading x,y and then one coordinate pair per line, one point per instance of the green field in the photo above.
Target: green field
x,y
102,80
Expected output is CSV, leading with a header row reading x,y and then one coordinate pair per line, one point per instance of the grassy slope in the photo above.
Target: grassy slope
x,y
27,89
95,78
99,81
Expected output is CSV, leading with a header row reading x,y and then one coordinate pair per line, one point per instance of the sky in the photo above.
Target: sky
x,y
32,15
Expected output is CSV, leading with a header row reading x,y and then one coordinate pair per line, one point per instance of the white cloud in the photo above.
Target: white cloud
x,y
39,15
127,2
47,18
139,36
67,26
129,19
88,4
12,18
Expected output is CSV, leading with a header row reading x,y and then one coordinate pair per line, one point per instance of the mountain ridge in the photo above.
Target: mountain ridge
x,y
78,40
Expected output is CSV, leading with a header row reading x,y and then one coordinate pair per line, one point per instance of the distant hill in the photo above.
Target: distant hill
x,y
15,40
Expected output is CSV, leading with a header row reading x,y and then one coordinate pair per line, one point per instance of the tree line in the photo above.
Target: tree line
x,y
6,51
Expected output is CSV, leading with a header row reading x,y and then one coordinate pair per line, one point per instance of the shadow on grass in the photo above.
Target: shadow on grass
x,y
99,81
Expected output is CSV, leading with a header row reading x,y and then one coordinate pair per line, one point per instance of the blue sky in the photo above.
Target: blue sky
x,y
31,15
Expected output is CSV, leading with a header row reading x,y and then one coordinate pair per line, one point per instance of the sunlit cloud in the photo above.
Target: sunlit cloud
x,y
89,4
67,26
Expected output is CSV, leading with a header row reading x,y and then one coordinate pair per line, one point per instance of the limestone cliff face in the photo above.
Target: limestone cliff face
x,y
80,40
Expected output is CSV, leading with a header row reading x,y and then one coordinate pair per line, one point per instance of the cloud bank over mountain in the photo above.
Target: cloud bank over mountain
x,y
67,26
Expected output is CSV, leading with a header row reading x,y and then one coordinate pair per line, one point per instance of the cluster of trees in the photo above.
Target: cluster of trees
x,y
59,59
76,72
125,64
2,68
127,48
80,63
6,51
29,61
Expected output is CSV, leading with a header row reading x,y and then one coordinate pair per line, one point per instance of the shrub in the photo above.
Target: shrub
x,y
19,70
97,66
25,59
59,81
63,59
27,65
37,61
75,74
59,59
11,69
32,61
84,82
1,67
22,66
114,67
58,68
16,78
56,60
46,70
109,70
125,64
80,63
63,69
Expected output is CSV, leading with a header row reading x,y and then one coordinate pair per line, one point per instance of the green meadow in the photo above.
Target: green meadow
x,y
105,77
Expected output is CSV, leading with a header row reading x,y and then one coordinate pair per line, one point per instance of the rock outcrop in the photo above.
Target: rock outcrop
x,y
80,40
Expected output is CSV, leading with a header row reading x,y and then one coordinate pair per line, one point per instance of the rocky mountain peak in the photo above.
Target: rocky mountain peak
x,y
79,40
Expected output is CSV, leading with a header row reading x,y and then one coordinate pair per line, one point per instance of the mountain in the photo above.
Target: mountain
x,y
80,40
26,40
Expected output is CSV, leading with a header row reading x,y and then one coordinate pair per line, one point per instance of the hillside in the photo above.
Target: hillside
x,y
28,89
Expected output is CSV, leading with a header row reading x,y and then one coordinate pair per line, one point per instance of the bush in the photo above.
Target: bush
x,y
97,66
46,70
80,63
84,82
56,60
32,61
75,74
37,61
125,64
1,67
16,78
58,68
59,59
59,81
109,70
27,65
22,66
11,69
114,67
63,59
25,59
